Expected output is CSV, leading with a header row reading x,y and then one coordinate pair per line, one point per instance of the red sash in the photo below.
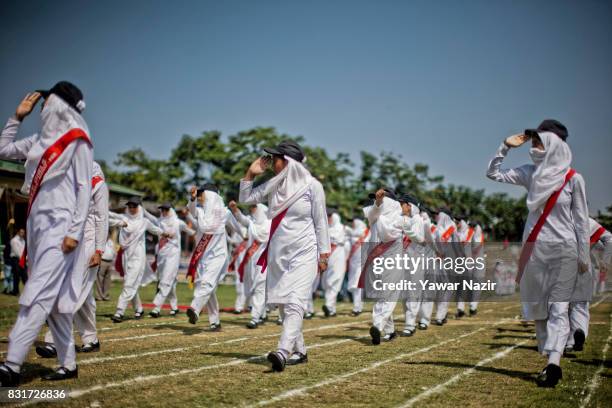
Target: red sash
x,y
119,262
533,235
447,234
196,256
235,254
47,160
433,229
162,242
95,180
597,234
356,246
470,234
263,258
406,242
377,251
249,254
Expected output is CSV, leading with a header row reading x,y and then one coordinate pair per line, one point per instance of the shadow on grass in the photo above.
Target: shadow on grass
x,y
188,331
511,336
33,371
503,329
595,362
504,345
362,340
521,375
250,358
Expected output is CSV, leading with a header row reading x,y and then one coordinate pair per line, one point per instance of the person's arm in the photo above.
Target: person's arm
x,y
580,215
413,228
153,229
100,202
519,175
116,220
184,228
81,166
319,216
18,150
154,220
248,194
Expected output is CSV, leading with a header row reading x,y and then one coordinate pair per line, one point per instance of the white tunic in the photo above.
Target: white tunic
x,y
294,249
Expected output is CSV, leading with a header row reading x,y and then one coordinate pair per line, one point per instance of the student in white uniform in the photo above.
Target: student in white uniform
x,y
556,232
413,243
168,257
298,244
359,235
445,238
252,275
58,170
478,274
210,256
385,219
579,316
104,272
465,234
88,261
238,242
333,276
133,255
430,271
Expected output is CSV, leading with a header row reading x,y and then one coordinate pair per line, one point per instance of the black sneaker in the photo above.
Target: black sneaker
x,y
407,333
579,338
550,376
174,312
308,316
46,351
390,336
89,347
154,314
438,322
117,318
237,311
61,373
460,314
192,316
277,360
252,324
326,311
473,312
355,313
375,334
297,358
215,327
8,377
138,315
422,326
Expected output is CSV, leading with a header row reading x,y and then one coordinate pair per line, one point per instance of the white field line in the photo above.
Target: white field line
x,y
599,301
301,390
441,387
596,379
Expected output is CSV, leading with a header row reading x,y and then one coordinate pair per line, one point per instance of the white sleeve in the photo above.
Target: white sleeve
x,y
100,202
150,217
183,227
250,195
82,167
11,149
319,216
413,227
518,175
152,228
580,214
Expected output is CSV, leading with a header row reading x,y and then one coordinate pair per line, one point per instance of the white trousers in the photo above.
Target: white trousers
x,y
382,316
134,271
552,332
165,291
292,338
425,312
357,301
315,287
411,310
240,295
258,299
579,317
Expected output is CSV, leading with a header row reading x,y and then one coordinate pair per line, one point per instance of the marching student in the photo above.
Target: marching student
x,y
384,217
359,234
20,274
413,241
87,264
210,257
445,237
131,259
254,278
333,276
298,244
579,316
465,235
555,239
430,251
238,242
168,257
58,171
105,270
477,274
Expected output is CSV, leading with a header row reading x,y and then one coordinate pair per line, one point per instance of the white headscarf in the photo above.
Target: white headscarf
x,y
389,224
169,223
136,226
444,223
57,119
286,187
414,210
551,168
359,228
215,213
97,172
260,227
336,229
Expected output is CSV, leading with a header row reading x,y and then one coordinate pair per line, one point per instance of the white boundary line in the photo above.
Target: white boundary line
x,y
595,380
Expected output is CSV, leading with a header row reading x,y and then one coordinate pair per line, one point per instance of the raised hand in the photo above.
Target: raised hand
x,y
27,105
516,140
380,194
257,167
193,192
233,206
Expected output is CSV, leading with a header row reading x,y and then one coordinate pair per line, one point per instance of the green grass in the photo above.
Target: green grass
x,y
200,368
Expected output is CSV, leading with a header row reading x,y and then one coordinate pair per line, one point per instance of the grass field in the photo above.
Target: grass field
x,y
486,360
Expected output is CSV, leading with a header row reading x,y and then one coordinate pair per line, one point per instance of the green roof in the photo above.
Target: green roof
x,y
17,167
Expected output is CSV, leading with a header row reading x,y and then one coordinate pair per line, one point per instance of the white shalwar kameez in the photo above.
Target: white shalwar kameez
x,y
210,219
360,235
563,239
237,242
430,273
59,211
333,276
412,227
294,249
445,241
132,239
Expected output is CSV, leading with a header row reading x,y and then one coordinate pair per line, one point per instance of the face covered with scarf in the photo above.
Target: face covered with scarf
x,y
552,164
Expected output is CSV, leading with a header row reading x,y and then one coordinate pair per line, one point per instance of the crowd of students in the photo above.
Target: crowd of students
x,y
287,246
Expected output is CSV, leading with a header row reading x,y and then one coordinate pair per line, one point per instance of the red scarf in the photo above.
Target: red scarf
x,y
533,235
263,258
49,157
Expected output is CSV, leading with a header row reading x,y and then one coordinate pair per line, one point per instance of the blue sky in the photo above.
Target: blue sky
x,y
440,82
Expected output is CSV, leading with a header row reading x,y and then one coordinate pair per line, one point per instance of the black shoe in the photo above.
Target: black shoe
x,y
375,334
550,376
89,347
355,313
117,318
61,374
192,316
460,314
277,360
252,324
438,322
215,327
46,351
138,315
8,377
422,326
390,336
154,314
308,316
444,321
174,312
473,312
579,338
407,333
279,321
237,311
262,320
297,358
326,311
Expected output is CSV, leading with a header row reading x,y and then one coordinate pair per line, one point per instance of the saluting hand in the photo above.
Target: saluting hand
x,y
26,105
233,206
193,192
69,245
257,167
380,194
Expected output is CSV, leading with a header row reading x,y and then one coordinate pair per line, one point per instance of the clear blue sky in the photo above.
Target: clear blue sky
x,y
440,82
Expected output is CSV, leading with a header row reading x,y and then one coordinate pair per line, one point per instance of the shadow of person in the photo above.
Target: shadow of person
x,y
504,345
33,371
521,375
187,331
362,340
250,358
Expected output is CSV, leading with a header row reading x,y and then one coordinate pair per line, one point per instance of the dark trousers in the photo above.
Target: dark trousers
x,y
19,274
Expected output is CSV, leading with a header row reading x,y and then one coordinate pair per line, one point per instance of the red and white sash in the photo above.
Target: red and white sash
x,y
249,254
235,254
356,246
49,157
597,234
533,235
377,251
469,236
196,256
263,258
